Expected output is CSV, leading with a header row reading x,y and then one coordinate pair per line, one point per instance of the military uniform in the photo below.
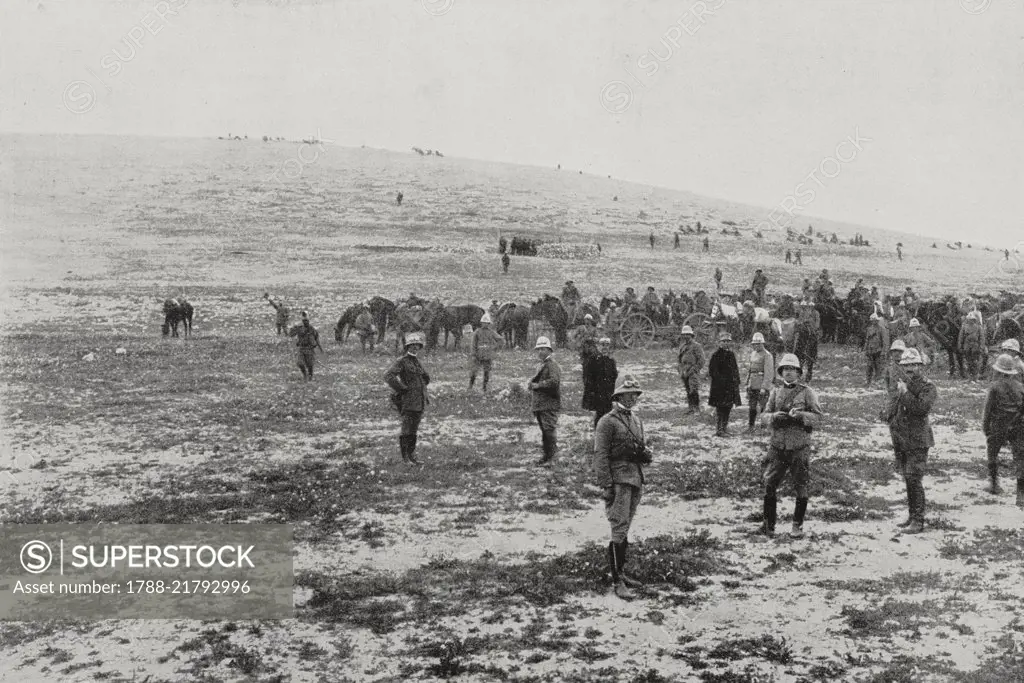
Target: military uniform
x,y
307,342
547,403
690,362
918,339
789,447
724,372
876,344
760,374
971,343
281,317
482,349
364,327
1002,424
599,375
912,436
409,381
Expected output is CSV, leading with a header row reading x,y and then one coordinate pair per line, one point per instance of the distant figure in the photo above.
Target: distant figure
x,y
1006,252
308,342
283,314
505,260
707,247
797,259
676,246
759,285
789,256
899,253
398,198
651,238
718,279
598,247
502,245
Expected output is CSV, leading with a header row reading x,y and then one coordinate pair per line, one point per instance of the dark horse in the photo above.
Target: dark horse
x,y
513,322
452,319
942,320
346,322
382,310
177,311
549,309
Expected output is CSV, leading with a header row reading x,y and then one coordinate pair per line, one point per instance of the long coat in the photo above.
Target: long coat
x,y
725,379
548,394
908,415
599,375
408,378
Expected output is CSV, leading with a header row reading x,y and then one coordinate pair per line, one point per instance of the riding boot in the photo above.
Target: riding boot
x,y
621,589
993,479
487,378
768,526
412,450
472,380
798,518
910,508
403,444
751,416
626,578
916,525
547,448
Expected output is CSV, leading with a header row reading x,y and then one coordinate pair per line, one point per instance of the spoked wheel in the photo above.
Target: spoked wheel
x,y
703,328
636,331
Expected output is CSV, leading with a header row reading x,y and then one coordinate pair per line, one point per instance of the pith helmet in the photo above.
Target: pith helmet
x,y
1006,365
627,385
911,357
542,343
588,317
789,360
898,345
758,338
687,330
1010,345
414,338
914,322
486,318
725,336
605,341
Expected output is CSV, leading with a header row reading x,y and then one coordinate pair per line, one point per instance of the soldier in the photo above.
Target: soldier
x,y
620,452
485,342
651,303
789,256
971,343
586,336
365,328
676,244
690,362
797,259
651,238
876,342
399,197
546,386
917,338
570,300
611,321
505,261
493,309
907,415
807,288
899,252
1003,422
1012,347
718,279
629,299
409,381
281,320
308,342
759,285
599,375
792,413
893,374
706,248
760,375
724,372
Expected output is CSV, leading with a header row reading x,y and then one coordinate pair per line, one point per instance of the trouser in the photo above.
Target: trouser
x,y
407,435
875,366
756,401
364,338
305,362
547,420
621,510
910,463
974,361
691,385
722,413
778,462
477,365
999,437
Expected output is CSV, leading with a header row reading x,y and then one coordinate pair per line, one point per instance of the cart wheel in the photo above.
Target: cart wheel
x,y
636,331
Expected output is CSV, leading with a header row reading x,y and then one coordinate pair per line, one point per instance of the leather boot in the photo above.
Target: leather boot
x,y
412,450
768,526
487,379
910,507
626,578
993,479
798,518
621,589
545,441
403,444
916,525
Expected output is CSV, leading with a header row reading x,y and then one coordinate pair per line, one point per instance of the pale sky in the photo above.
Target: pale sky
x,y
747,102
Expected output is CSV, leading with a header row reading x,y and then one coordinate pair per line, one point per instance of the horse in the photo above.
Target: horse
x,y
805,346
729,314
452,319
549,309
831,316
941,319
382,311
346,322
513,322
177,311
408,319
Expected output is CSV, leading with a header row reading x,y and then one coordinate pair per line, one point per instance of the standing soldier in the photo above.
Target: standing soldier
x,y
1003,422
706,249
971,343
690,362
760,374
676,244
651,303
485,342
493,309
899,252
505,261
546,386
651,238
876,341
308,342
907,416
281,320
1012,347
917,338
611,322
409,381
620,452
629,299
365,328
399,197
792,413
724,372
570,300
797,259
718,279
759,285
599,375
789,256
